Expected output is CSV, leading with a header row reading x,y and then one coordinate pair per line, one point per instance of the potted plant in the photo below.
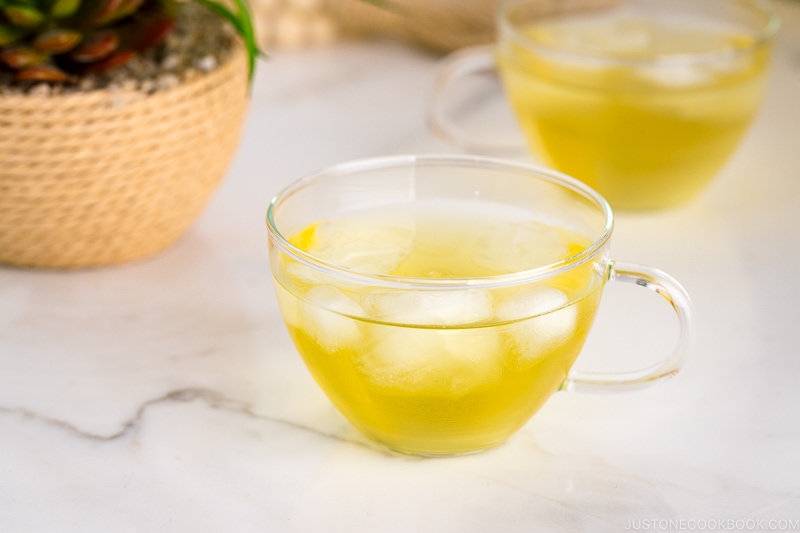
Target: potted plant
x,y
118,118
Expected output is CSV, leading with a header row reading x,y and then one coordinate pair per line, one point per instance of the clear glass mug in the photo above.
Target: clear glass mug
x,y
438,363
643,100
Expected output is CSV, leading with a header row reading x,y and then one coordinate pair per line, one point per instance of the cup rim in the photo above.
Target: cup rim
x,y
473,161
761,37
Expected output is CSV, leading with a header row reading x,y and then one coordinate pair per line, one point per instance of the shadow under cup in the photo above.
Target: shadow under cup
x,y
444,363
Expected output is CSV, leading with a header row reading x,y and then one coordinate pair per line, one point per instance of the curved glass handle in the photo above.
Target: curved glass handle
x,y
459,64
667,287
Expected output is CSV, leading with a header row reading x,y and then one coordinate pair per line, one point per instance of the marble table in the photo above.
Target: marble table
x,y
165,395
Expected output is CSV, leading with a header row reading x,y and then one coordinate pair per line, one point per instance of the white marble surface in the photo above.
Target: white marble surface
x,y
166,395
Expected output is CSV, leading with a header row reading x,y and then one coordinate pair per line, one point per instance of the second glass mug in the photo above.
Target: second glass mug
x,y
434,363
643,100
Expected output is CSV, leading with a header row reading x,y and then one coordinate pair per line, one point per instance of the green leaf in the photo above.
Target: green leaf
x,y
64,8
23,16
41,73
128,7
243,24
96,47
116,59
106,12
57,40
20,57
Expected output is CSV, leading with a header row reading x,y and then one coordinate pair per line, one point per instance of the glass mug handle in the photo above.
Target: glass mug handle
x,y
457,65
669,289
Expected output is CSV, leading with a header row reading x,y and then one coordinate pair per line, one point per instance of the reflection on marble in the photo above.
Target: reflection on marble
x,y
165,395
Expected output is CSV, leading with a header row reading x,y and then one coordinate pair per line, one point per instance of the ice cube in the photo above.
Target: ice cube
x,y
325,317
430,308
678,76
517,246
530,303
611,34
376,248
436,361
642,38
303,274
544,320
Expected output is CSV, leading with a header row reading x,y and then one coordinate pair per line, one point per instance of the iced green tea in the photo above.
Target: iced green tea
x,y
438,371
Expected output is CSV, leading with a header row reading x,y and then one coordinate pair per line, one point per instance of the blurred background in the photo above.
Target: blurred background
x,y
439,26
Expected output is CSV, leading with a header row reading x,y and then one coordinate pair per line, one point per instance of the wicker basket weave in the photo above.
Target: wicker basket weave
x,y
106,177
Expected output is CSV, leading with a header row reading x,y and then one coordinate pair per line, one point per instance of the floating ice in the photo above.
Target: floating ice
x,y
544,322
438,361
530,303
517,246
430,308
365,247
678,76
303,274
322,317
621,36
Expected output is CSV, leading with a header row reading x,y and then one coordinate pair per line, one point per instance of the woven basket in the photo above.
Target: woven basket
x,y
106,177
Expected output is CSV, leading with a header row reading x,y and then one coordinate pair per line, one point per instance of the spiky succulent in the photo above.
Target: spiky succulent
x,y
60,40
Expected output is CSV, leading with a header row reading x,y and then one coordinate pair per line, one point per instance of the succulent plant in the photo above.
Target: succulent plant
x,y
60,40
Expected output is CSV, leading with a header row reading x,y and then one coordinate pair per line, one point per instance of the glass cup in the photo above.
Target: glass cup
x,y
643,100
439,301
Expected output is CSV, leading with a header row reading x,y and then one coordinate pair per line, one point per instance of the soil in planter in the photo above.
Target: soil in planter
x,y
200,42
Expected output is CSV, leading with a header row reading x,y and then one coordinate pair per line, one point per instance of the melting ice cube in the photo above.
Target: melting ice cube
x,y
322,317
361,246
678,76
438,361
430,308
518,246
303,274
543,323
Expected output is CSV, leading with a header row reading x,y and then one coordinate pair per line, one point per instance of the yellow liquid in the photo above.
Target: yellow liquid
x,y
644,137
444,372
